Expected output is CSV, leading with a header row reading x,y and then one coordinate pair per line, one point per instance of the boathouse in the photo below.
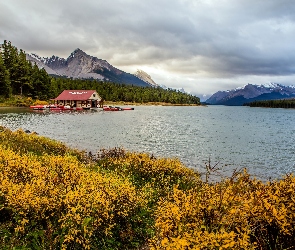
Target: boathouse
x,y
79,99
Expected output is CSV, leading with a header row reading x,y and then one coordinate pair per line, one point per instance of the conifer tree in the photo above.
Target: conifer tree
x,y
5,86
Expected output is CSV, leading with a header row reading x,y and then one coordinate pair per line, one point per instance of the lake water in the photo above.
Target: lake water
x,y
262,140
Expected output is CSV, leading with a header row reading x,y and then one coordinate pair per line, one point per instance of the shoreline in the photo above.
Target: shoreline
x,y
26,102
147,104
110,103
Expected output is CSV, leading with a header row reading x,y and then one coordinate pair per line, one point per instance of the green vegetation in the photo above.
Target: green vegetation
x,y
20,77
16,101
284,103
55,197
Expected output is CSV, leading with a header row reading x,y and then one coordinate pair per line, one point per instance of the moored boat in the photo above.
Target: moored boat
x,y
111,108
42,107
55,107
128,108
38,107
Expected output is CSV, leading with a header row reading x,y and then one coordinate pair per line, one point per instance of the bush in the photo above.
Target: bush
x,y
38,102
24,143
54,197
237,213
63,204
16,101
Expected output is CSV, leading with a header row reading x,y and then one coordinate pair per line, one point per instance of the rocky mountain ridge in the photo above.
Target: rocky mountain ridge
x,y
252,92
80,65
145,77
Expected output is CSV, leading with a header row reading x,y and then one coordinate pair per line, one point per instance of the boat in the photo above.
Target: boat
x,y
65,108
127,108
52,107
38,107
61,108
111,108
42,107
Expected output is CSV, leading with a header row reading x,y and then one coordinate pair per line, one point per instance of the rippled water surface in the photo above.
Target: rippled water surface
x,y
257,138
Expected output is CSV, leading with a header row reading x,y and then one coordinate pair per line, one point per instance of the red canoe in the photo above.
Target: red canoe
x,y
111,108
128,108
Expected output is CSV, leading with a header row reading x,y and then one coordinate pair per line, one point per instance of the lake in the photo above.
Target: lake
x,y
259,139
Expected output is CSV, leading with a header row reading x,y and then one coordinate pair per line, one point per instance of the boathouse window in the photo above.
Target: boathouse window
x,y
93,95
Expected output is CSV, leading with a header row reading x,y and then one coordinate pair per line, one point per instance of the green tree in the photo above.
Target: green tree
x,y
5,86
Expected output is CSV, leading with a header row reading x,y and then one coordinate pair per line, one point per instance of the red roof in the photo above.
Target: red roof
x,y
77,95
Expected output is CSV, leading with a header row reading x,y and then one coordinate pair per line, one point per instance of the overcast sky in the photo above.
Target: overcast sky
x,y
200,45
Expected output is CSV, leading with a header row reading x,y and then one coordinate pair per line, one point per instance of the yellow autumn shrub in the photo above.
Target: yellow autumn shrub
x,y
38,102
236,213
142,168
54,197
23,143
65,197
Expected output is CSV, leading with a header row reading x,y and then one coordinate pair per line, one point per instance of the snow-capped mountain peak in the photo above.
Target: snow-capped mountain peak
x,y
270,85
252,92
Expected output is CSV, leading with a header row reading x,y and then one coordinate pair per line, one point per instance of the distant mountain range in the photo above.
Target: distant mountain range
x,y
250,93
79,65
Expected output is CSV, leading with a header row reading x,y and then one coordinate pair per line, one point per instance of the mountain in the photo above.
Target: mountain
x,y
145,77
33,58
250,93
82,66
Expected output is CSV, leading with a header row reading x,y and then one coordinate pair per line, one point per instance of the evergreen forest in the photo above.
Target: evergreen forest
x,y
20,77
283,103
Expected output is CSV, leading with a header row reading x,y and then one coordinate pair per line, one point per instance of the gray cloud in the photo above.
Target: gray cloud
x,y
203,45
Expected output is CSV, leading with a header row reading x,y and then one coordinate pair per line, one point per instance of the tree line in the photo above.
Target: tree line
x,y
283,103
123,92
20,77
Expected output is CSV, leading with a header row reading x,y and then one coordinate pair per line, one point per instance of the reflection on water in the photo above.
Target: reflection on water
x,y
260,139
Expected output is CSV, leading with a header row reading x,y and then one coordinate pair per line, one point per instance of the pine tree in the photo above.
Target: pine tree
x,y
22,73
5,86
9,55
